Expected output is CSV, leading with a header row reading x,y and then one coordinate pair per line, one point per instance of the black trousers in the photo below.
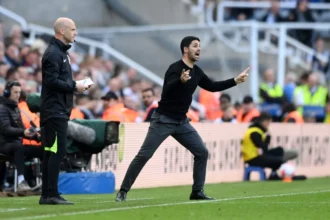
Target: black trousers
x,y
272,158
160,128
54,139
20,153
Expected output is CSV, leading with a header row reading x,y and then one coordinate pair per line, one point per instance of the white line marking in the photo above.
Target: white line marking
x,y
266,203
112,201
166,204
79,201
12,210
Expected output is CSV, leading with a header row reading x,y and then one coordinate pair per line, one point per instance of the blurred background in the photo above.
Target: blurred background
x,y
126,47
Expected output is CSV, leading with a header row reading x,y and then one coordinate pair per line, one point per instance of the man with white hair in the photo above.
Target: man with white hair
x,y
311,94
270,91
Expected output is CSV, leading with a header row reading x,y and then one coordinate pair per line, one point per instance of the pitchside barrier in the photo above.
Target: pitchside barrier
x,y
172,164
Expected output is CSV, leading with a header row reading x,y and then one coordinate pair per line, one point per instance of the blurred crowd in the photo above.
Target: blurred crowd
x,y
302,99
121,94
116,87
300,13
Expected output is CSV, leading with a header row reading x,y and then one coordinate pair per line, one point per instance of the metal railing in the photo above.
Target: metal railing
x,y
92,45
259,5
19,19
278,29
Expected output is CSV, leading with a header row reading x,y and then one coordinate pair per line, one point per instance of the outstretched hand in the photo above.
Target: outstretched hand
x,y
242,76
185,76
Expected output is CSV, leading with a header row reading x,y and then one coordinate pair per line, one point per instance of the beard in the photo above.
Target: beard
x,y
191,56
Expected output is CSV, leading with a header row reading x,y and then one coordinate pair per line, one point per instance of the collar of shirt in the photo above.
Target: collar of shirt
x,y
60,44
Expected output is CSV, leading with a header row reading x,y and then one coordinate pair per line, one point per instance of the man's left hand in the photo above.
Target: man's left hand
x,y
242,76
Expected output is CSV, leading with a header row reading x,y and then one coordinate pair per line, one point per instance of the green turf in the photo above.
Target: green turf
x,y
247,200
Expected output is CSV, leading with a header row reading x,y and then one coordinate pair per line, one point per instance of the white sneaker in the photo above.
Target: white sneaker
x,y
23,186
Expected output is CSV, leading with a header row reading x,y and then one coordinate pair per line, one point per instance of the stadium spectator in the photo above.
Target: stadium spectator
x,y
311,94
289,86
211,103
227,116
225,102
13,131
315,63
302,14
273,14
116,110
270,92
291,115
12,56
149,102
248,111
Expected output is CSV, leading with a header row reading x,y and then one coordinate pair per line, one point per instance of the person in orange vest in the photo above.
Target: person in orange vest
x,y
116,110
248,111
76,114
210,100
227,116
28,117
291,115
225,103
149,101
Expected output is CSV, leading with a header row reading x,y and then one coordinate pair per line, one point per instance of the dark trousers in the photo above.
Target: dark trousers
x,y
160,128
54,139
272,158
20,153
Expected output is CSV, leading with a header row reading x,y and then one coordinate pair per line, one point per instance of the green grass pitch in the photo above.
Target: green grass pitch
x,y
308,199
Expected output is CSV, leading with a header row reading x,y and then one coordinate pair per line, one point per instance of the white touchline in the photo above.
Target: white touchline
x,y
12,210
167,204
79,201
112,201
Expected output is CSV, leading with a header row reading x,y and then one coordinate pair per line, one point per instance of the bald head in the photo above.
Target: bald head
x,y
65,30
269,75
62,23
313,79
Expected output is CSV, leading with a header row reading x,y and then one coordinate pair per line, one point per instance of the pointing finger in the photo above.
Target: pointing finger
x,y
247,69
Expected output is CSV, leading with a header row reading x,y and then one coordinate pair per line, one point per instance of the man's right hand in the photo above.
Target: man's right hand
x,y
185,76
81,87
27,133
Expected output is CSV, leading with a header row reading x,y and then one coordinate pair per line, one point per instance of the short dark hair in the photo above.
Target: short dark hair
x,y
186,41
225,96
248,99
11,71
110,95
10,84
149,89
305,75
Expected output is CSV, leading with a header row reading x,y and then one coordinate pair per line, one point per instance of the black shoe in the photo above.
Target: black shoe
x,y
58,200
43,200
121,196
199,196
274,177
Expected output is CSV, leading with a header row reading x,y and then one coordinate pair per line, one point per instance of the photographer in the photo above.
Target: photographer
x,y
12,132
